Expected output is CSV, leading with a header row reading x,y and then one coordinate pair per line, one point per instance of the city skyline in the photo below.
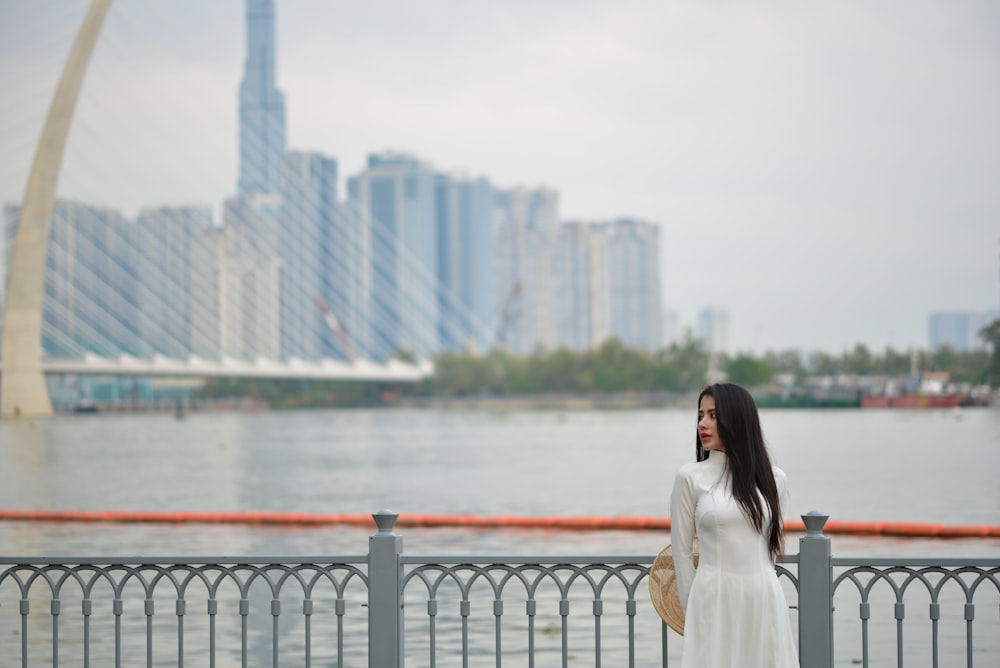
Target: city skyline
x,y
764,120
406,263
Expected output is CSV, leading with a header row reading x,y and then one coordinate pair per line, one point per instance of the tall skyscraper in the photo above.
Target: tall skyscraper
x,y
524,269
634,283
950,329
582,283
161,242
262,106
253,252
959,330
311,267
397,194
465,257
227,309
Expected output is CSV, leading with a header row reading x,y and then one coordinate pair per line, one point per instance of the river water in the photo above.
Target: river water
x,y
893,465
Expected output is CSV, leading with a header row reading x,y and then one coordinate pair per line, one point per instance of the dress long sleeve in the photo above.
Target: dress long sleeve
x,y
781,481
682,527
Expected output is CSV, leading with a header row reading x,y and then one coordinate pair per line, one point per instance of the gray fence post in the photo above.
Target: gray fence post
x,y
385,599
815,594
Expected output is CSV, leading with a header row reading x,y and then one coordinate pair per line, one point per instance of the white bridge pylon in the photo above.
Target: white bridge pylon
x,y
196,367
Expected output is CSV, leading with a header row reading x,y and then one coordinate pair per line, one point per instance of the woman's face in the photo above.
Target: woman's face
x,y
707,425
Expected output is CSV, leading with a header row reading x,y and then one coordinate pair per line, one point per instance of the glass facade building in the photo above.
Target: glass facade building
x,y
959,330
524,269
262,106
115,286
464,262
162,241
634,283
309,258
396,197
583,280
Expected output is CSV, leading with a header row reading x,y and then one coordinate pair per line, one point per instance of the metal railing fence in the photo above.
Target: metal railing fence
x,y
943,584
386,609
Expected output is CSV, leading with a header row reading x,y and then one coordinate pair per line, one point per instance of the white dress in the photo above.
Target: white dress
x,y
735,609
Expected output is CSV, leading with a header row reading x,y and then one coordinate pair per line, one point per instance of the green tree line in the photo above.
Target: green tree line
x,y
680,368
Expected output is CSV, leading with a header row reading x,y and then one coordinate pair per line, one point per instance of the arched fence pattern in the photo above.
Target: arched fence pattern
x,y
562,586
896,579
237,583
386,609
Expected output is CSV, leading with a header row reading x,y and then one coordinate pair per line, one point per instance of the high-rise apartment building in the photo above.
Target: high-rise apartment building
x,y
950,329
959,330
582,285
250,311
93,279
578,283
527,227
397,197
262,106
311,260
634,283
465,208
222,264
161,243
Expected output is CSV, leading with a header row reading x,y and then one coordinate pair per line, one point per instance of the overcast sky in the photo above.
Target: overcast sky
x,y
828,173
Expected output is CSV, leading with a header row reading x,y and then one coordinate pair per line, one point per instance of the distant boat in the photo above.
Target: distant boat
x,y
981,395
912,400
930,389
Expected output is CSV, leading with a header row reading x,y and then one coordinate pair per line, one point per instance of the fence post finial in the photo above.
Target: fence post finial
x,y
385,520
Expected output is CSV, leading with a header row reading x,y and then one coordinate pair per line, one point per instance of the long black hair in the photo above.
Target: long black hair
x,y
738,425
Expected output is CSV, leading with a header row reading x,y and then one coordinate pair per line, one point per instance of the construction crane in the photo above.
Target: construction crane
x,y
331,321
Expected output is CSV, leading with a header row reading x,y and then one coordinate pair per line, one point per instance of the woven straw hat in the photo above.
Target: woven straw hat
x,y
663,588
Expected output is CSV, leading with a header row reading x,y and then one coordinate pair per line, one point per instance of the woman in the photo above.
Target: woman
x,y
735,609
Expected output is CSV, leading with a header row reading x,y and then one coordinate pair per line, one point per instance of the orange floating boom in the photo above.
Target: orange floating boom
x,y
640,523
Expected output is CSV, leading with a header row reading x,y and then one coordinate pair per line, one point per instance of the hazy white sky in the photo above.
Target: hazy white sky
x,y
829,173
